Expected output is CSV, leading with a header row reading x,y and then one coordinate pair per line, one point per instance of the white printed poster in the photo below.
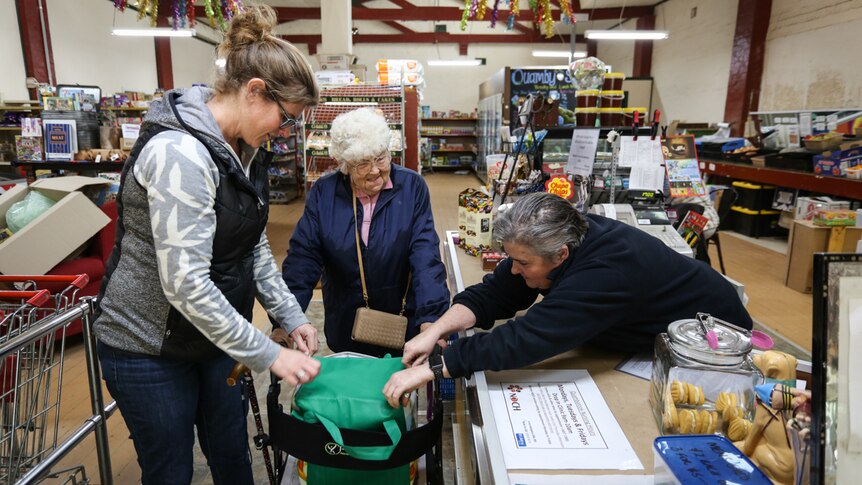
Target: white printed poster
x,y
558,420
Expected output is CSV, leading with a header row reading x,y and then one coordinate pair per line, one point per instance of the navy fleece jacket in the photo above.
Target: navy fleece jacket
x,y
619,289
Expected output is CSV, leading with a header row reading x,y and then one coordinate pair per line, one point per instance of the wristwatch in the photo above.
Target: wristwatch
x,y
435,362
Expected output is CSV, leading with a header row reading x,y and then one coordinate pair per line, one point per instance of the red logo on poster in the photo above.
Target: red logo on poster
x,y
560,186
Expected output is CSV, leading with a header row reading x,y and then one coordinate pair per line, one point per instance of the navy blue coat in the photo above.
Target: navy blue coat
x,y
619,289
402,240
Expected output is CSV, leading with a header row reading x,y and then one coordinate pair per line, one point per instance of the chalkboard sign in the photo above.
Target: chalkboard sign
x,y
553,83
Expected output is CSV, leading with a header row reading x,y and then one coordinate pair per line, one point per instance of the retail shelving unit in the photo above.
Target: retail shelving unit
x,y
335,100
451,142
285,169
8,132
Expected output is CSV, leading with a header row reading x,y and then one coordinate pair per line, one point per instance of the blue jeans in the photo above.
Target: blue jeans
x,y
162,402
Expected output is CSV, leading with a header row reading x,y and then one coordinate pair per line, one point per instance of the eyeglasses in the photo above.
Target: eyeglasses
x,y
288,120
364,166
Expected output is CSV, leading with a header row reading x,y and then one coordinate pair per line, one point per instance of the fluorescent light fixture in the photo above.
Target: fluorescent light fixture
x,y
627,34
456,62
156,32
563,54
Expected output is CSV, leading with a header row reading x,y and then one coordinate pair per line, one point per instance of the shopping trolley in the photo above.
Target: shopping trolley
x,y
32,349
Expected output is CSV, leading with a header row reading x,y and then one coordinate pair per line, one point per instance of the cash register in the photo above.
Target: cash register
x,y
645,212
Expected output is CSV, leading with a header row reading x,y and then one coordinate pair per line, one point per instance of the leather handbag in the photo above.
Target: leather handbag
x,y
374,326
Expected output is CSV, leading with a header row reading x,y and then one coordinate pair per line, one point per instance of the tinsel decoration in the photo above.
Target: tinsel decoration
x,y
220,15
154,12
533,5
176,14
190,12
548,19
142,8
515,8
473,7
120,5
494,13
510,24
480,11
568,15
208,8
465,15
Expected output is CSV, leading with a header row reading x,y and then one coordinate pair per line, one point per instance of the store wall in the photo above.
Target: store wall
x,y
85,52
691,67
812,55
11,58
619,54
193,62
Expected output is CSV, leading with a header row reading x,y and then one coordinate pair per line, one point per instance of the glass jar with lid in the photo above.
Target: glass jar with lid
x,y
703,378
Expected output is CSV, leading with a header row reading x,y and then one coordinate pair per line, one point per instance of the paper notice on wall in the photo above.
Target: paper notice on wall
x,y
582,153
558,420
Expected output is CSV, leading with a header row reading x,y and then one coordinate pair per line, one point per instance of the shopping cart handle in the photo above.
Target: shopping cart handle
x,y
34,298
80,281
77,280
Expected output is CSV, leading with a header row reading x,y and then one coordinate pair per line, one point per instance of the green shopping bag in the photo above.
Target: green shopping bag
x,y
347,394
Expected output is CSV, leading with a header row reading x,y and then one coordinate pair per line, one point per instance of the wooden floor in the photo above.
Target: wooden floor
x,y
760,270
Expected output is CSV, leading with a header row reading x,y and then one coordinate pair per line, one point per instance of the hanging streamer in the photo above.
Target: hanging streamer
x,y
154,12
494,13
568,14
190,12
510,24
480,11
474,6
515,8
465,15
219,10
142,8
548,19
176,14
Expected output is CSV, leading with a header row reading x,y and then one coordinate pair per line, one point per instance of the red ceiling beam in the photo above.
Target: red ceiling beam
x,y
642,62
38,58
746,62
441,14
164,64
441,38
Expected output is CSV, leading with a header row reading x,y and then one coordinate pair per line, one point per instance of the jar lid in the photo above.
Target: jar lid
x,y
615,75
687,338
586,110
610,110
587,92
613,93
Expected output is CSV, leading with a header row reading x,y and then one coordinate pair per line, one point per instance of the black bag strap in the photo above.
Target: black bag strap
x,y
313,444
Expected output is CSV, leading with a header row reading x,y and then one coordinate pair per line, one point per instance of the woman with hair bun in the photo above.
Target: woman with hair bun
x,y
191,255
388,207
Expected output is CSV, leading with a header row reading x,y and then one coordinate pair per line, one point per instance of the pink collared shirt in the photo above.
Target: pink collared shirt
x,y
368,202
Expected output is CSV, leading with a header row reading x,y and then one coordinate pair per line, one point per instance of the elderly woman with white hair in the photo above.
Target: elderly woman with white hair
x,y
603,283
390,208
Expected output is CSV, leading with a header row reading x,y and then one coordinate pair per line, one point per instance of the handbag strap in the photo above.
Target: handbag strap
x,y
362,268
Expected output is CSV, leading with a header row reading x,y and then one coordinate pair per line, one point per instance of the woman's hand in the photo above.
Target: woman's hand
x,y
295,367
305,337
417,350
402,383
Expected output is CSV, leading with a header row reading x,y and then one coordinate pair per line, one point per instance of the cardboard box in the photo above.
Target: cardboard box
x,y
55,234
844,239
836,163
805,240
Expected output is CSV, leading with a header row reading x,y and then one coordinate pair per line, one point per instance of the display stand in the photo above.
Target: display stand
x,y
335,100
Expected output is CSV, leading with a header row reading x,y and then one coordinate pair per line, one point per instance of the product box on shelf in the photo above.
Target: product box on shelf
x,y
835,164
491,259
56,233
807,207
835,217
